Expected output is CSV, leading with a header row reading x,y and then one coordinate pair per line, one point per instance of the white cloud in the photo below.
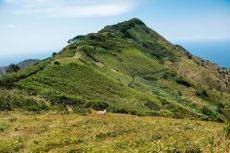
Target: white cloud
x,y
71,8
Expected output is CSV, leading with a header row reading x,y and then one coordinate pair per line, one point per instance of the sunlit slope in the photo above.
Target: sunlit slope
x,y
133,70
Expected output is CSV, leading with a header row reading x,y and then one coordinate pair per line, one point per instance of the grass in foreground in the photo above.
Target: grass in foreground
x,y
55,132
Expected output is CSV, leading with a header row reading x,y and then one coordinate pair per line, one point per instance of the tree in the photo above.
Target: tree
x,y
75,39
12,68
54,54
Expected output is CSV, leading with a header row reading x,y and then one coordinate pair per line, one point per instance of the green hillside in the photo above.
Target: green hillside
x,y
126,68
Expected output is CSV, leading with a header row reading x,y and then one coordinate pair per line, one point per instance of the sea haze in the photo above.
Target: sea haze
x,y
7,60
215,51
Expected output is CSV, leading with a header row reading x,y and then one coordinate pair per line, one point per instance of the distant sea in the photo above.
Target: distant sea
x,y
215,51
5,61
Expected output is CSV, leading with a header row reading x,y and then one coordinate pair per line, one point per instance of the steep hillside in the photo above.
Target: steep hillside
x,y
126,68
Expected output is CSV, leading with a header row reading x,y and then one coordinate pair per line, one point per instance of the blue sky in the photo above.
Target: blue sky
x,y
35,28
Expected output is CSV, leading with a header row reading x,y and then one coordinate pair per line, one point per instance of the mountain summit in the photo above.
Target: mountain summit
x,y
124,68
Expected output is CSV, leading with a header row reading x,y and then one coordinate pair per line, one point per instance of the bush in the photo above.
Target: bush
x,y
54,54
227,130
183,82
151,105
62,99
202,94
97,105
5,106
57,63
12,100
81,110
122,111
12,68
206,111
3,127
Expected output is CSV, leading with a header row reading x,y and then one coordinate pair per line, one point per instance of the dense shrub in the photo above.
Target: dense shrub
x,y
81,110
121,110
206,111
54,54
12,68
227,130
4,106
57,63
150,78
11,100
72,47
202,94
7,80
3,127
57,98
151,105
183,82
97,105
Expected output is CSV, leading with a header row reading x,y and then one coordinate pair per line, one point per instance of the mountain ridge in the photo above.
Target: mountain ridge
x,y
126,68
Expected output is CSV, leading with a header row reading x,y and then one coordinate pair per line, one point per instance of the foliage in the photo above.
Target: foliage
x,y
75,39
81,109
54,54
8,80
12,68
202,93
12,100
57,63
227,130
151,105
97,105
127,68
183,82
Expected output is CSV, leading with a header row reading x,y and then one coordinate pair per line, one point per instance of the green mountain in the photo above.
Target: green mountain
x,y
126,68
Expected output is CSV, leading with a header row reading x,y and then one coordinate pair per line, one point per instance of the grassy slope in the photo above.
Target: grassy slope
x,y
131,68
89,80
52,132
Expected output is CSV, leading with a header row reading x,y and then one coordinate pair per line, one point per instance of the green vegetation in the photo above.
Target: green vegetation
x,y
227,130
125,68
15,99
97,105
8,80
12,68
52,132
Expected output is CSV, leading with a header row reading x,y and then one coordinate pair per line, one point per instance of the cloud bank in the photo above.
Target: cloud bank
x,y
71,8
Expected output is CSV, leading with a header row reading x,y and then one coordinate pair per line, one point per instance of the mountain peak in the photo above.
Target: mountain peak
x,y
134,21
128,68
124,25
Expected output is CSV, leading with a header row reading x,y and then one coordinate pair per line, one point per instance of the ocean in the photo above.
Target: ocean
x,y
6,60
215,51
